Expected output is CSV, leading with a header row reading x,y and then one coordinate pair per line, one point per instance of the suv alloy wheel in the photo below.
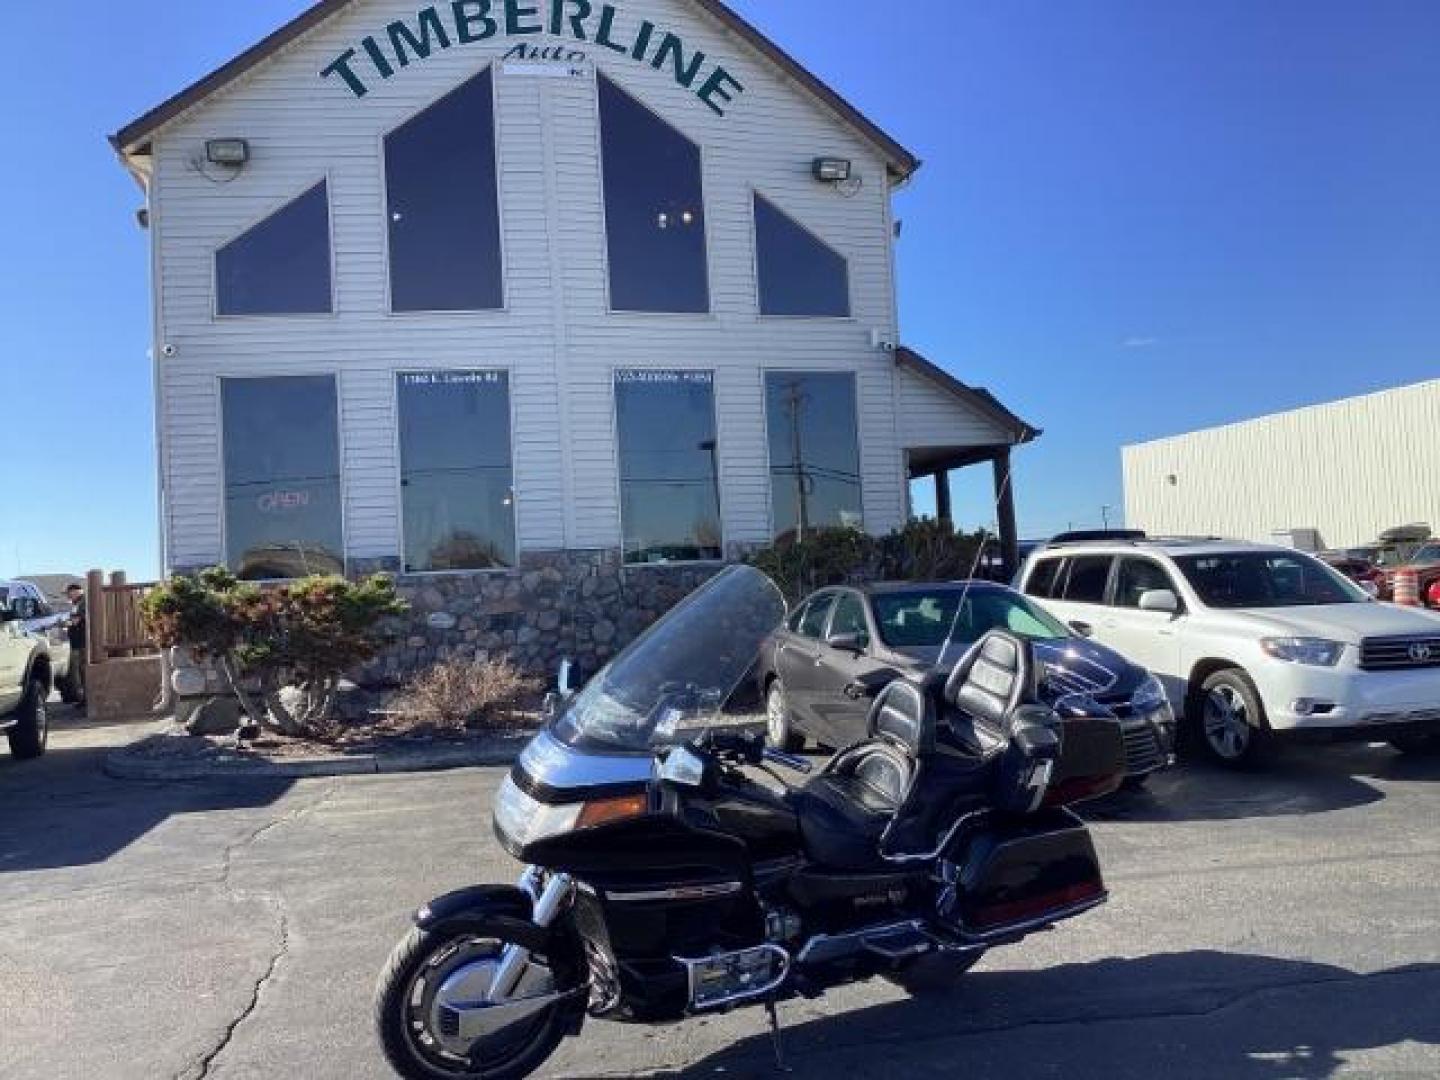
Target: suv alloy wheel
x,y
1232,725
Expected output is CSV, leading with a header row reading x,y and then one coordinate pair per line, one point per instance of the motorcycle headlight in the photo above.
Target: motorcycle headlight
x,y
1316,652
1149,698
524,820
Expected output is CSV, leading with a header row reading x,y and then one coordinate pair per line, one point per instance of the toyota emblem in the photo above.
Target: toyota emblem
x,y
1421,652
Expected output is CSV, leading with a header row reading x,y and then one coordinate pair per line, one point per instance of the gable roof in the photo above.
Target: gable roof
x,y
977,398
135,136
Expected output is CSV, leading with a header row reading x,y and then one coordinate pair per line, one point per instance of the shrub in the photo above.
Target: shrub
x,y
460,693
299,638
924,550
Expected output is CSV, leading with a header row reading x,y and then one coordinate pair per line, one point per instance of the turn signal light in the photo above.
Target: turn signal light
x,y
606,811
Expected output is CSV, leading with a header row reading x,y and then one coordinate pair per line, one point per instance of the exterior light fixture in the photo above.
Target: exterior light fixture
x,y
832,170
232,152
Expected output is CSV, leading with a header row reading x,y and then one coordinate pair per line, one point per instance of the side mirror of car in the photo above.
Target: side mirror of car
x,y
1162,600
1370,589
851,643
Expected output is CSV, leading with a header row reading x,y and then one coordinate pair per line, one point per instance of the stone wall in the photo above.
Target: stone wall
x,y
584,605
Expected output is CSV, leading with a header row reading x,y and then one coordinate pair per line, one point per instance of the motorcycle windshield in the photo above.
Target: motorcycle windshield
x,y
679,674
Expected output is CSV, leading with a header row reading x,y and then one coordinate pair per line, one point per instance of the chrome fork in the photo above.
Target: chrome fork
x,y
549,900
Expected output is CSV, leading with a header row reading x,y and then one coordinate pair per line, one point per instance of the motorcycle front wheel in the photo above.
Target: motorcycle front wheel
x,y
452,963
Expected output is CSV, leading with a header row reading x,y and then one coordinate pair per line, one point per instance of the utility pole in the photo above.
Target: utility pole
x,y
793,400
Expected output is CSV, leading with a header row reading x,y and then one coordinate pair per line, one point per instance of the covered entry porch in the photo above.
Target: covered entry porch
x,y
947,426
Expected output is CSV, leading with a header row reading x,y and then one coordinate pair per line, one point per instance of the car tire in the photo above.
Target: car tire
x,y
1417,745
779,721
71,687
31,733
1230,725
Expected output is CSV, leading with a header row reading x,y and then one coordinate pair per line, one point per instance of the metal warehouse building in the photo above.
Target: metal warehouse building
x,y
1349,469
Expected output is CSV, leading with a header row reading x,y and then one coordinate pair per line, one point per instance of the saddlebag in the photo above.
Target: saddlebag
x,y
1013,876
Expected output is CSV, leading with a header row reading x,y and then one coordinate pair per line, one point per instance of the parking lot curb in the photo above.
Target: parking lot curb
x,y
123,765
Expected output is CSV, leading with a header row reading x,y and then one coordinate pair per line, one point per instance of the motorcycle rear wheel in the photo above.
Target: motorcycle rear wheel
x,y
405,993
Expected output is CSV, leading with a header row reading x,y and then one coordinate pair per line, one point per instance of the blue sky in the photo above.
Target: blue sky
x,y
1135,218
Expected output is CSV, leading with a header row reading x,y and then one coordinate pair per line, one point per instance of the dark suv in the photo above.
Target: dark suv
x,y
841,646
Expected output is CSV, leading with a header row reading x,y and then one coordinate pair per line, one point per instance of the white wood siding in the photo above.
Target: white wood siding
x,y
932,416
555,337
1351,469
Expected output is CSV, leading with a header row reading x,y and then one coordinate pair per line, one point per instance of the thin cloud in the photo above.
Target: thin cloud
x,y
1139,343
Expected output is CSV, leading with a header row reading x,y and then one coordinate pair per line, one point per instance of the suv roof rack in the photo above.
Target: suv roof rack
x,y
1131,536
1085,536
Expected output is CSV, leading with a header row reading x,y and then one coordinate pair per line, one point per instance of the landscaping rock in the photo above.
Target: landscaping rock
x,y
215,717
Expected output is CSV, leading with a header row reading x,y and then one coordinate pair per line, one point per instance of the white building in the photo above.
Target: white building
x,y
484,289
1350,469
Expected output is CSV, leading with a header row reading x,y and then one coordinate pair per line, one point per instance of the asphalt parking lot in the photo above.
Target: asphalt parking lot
x,y
1282,925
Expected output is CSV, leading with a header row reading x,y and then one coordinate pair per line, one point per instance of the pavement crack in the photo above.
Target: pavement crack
x,y
201,1069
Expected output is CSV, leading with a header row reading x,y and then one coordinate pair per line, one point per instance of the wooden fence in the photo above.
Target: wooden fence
x,y
112,612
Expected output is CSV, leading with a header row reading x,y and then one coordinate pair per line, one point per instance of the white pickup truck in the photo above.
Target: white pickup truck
x,y
28,666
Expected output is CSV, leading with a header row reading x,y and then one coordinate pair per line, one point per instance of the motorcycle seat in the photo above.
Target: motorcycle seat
x,y
896,794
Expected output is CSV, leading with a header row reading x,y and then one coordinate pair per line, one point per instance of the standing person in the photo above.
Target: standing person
x,y
79,656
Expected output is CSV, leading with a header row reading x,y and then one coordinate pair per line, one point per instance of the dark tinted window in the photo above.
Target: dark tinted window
x,y
669,495
455,470
443,205
814,452
654,209
850,618
1263,580
926,619
1045,577
1088,575
799,274
1135,578
282,477
280,266
813,624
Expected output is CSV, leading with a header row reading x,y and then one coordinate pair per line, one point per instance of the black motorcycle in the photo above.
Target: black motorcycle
x,y
672,873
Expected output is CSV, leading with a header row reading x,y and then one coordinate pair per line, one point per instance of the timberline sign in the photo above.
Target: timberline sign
x,y
468,22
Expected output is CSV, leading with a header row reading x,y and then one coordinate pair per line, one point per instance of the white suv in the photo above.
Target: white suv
x,y
1253,643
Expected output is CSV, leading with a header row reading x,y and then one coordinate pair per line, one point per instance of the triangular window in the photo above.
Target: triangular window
x,y
799,273
280,266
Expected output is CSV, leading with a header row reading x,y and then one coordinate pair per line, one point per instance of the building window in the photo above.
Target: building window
x,y
280,266
814,452
443,205
282,477
669,487
799,274
654,209
456,475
